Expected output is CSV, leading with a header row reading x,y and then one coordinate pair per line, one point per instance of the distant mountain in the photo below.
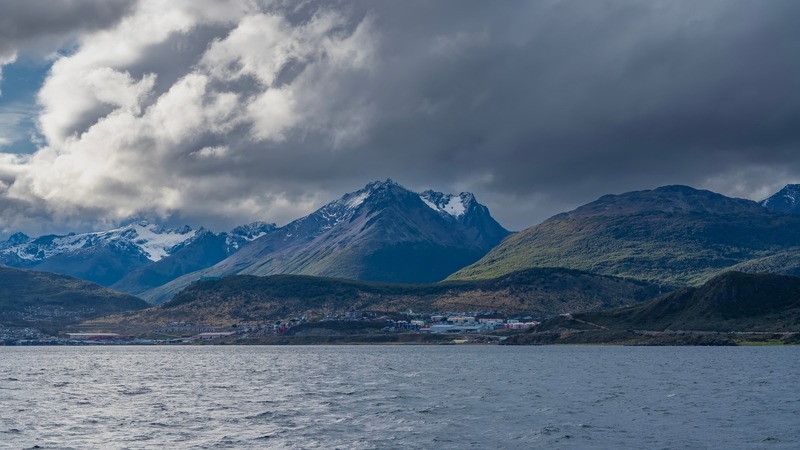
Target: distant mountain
x,y
246,299
733,301
101,257
106,257
204,250
787,200
382,232
673,234
45,300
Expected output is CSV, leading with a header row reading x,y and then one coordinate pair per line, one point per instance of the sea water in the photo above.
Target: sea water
x,y
212,397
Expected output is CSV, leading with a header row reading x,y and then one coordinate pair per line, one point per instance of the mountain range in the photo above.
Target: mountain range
x,y
133,258
674,234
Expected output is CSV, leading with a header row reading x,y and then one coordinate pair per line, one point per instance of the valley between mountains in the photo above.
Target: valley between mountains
x,y
671,258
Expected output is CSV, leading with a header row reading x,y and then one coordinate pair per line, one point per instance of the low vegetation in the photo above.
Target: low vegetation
x,y
731,309
246,299
46,300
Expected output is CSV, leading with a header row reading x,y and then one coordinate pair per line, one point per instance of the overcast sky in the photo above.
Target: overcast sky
x,y
219,113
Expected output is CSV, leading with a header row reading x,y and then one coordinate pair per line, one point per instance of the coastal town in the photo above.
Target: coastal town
x,y
457,325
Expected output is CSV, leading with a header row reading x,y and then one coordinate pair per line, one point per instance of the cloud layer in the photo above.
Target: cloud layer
x,y
222,112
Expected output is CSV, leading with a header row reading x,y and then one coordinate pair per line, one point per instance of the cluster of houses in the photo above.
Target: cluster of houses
x,y
19,336
454,323
184,329
458,324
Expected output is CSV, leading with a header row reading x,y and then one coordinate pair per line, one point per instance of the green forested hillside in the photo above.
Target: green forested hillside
x,y
675,235
41,299
733,301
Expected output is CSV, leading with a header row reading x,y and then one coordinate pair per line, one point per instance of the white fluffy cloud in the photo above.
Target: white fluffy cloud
x,y
119,147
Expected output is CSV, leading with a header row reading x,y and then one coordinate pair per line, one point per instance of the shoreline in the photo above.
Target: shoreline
x,y
608,337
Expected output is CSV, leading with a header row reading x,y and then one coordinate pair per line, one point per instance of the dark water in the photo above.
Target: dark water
x,y
399,397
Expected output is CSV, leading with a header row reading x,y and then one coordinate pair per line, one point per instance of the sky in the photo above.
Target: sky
x,y
219,113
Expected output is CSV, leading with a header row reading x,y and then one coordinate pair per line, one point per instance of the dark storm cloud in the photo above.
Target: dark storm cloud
x,y
574,99
33,24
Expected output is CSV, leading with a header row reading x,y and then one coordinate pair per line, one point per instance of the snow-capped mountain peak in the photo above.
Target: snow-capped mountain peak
x,y
344,208
334,212
785,200
15,239
378,185
381,193
375,196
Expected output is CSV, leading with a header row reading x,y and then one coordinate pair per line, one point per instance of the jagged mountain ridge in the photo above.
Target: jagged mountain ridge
x,y
105,257
673,234
150,241
382,232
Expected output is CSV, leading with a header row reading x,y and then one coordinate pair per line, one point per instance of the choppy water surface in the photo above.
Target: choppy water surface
x,y
399,397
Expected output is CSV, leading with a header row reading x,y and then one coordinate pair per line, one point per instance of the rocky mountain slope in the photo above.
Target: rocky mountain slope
x,y
382,232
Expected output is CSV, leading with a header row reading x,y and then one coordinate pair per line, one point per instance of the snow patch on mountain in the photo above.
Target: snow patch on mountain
x,y
429,203
455,207
448,204
339,210
155,241
357,200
